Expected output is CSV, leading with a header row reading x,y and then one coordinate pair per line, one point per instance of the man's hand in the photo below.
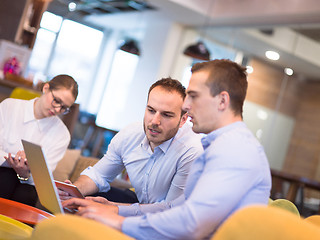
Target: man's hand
x,y
101,200
106,214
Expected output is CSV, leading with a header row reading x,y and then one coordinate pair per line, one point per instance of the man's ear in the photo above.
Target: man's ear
x,y
224,100
183,119
46,88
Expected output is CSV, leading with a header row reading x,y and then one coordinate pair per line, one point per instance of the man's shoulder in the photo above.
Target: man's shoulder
x,y
188,138
242,142
128,138
133,128
185,132
240,135
131,131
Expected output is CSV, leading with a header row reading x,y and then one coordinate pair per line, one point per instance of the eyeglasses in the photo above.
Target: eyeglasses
x,y
58,104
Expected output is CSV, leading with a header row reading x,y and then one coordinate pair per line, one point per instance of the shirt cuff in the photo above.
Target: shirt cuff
x,y
102,184
126,211
138,210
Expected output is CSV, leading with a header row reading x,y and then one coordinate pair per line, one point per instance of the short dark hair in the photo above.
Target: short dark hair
x,y
64,81
170,85
226,75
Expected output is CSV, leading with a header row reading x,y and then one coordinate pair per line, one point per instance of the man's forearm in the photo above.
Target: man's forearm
x,y
86,185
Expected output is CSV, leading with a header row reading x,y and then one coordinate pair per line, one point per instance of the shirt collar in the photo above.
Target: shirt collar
x,y
163,146
206,140
29,111
29,115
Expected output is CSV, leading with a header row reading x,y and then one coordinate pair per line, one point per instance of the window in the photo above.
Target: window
x,y
46,36
76,54
66,47
113,104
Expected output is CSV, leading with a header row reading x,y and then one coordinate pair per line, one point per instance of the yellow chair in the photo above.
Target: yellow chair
x,y
266,223
284,204
24,93
314,219
11,229
74,227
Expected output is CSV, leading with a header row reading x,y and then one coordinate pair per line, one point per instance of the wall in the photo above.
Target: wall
x,y
304,152
152,66
303,156
10,12
272,128
264,88
301,101
269,109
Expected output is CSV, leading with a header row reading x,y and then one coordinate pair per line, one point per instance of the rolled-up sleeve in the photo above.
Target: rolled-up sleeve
x,y
108,167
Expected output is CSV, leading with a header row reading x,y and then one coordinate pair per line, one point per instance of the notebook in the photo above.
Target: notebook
x,y
42,177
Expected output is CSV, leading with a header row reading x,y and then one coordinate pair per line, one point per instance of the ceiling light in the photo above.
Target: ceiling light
x,y
259,133
261,114
249,69
288,71
130,47
72,6
198,51
272,55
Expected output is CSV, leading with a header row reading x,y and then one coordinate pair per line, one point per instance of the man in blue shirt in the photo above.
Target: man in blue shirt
x,y
157,154
232,173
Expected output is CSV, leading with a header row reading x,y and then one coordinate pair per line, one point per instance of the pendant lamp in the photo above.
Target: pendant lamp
x,y
199,49
130,46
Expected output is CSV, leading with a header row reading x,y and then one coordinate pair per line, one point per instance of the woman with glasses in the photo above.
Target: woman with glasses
x,y
36,121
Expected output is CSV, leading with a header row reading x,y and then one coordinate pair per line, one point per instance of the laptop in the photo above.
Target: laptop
x,y
42,177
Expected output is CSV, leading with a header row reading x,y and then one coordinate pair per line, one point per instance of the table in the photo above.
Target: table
x,y
22,212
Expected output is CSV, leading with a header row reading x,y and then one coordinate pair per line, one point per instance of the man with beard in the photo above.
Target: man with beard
x,y
232,173
156,154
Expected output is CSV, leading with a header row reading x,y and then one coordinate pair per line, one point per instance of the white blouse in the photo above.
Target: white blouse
x,y
17,122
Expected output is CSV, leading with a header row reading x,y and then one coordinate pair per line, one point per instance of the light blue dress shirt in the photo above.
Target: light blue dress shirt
x,y
156,176
233,172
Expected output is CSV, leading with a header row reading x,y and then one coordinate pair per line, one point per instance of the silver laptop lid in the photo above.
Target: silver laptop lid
x,y
42,177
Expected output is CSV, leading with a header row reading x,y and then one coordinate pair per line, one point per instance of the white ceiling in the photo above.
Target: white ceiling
x,y
237,23
241,20
242,13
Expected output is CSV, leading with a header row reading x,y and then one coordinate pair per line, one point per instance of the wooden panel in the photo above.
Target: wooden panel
x,y
10,12
301,100
24,17
264,86
304,151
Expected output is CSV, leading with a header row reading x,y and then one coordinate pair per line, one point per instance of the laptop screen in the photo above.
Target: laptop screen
x,y
42,177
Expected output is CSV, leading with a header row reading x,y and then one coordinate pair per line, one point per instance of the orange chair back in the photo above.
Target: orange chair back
x,y
22,212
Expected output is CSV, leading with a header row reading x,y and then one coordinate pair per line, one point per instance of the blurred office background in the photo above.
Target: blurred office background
x,y
84,38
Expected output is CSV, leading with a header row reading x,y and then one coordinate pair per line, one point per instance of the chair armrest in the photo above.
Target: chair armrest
x,y
82,164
